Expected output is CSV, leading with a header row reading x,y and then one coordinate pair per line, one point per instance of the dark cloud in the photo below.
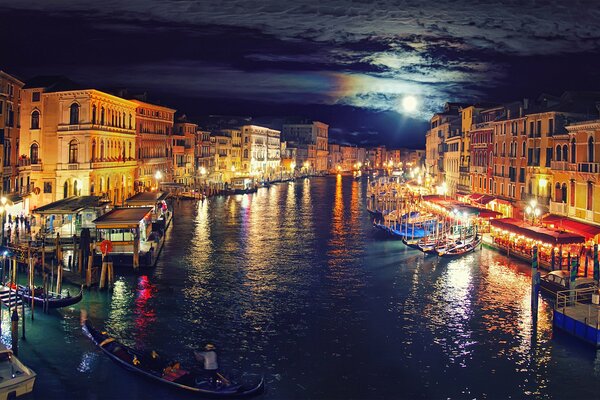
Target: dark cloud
x,y
333,61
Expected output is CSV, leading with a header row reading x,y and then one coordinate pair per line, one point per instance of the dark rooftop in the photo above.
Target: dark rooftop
x,y
118,217
70,205
52,83
146,198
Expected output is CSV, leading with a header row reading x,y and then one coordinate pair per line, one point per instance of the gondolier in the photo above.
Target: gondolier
x,y
209,358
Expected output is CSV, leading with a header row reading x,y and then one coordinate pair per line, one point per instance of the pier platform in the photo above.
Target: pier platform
x,y
576,314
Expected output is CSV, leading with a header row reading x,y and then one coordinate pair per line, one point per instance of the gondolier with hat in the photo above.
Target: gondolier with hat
x,y
209,358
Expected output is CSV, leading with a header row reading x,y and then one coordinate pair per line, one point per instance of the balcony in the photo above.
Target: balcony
x,y
463,170
587,167
589,215
96,127
559,165
178,149
559,208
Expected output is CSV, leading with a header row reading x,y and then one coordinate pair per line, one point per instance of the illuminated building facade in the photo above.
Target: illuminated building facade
x,y
154,147
184,144
10,110
76,142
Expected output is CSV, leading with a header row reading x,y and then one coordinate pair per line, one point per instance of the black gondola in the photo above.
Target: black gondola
x,y
51,300
193,380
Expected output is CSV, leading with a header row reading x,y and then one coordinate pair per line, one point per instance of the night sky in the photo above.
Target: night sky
x,y
347,63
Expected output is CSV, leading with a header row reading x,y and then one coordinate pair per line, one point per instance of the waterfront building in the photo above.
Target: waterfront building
x,y
470,116
154,145
395,156
221,142
361,155
482,151
306,156
183,145
236,149
10,114
76,142
576,172
289,162
334,162
349,157
261,149
316,134
443,125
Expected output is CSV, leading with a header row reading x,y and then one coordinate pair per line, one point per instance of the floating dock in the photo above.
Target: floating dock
x,y
577,313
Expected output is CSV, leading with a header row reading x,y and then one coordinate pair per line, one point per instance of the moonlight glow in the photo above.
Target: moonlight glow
x,y
409,104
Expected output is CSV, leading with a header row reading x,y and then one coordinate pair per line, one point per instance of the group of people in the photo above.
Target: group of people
x,y
18,224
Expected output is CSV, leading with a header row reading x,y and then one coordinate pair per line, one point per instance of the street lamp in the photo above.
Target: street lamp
x,y
158,176
532,210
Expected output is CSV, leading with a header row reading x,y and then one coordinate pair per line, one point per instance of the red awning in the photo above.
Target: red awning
x,y
485,213
564,223
537,233
475,196
485,199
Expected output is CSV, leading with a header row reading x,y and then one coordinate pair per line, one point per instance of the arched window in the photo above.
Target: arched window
x,y
92,188
563,189
129,153
565,152
573,151
93,150
102,114
245,153
33,153
74,115
101,151
94,114
35,120
130,122
73,151
76,188
66,190
558,153
523,149
557,193
591,149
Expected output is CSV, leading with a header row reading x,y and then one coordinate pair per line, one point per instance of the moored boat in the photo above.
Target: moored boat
x,y
192,380
556,281
16,379
49,299
460,248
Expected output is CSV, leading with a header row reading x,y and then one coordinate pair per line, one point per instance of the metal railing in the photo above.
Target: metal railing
x,y
577,304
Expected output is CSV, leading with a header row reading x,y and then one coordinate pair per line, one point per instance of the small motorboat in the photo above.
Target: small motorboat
x,y
15,378
556,281
49,299
192,380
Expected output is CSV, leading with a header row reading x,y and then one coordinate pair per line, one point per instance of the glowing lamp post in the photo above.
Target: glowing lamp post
x,y
532,210
158,177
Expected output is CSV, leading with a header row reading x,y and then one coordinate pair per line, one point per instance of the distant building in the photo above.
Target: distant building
x,y
154,127
183,145
316,134
261,151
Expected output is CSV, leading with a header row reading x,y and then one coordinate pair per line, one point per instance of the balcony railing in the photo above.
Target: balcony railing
x,y
587,167
559,165
589,215
88,126
558,208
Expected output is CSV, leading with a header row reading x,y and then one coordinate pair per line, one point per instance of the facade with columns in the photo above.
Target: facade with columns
x,y
77,142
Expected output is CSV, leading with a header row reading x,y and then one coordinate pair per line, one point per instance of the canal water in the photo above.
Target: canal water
x,y
293,282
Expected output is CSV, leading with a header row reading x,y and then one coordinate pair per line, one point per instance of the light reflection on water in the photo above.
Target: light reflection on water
x,y
292,282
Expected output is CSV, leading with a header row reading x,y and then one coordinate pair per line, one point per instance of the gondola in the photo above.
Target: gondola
x,y
52,300
461,248
169,373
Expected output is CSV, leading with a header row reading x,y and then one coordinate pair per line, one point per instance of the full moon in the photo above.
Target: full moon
x,y
409,103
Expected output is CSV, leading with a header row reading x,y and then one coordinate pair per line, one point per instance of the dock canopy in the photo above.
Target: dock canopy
x,y
71,205
146,199
564,223
537,233
123,218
